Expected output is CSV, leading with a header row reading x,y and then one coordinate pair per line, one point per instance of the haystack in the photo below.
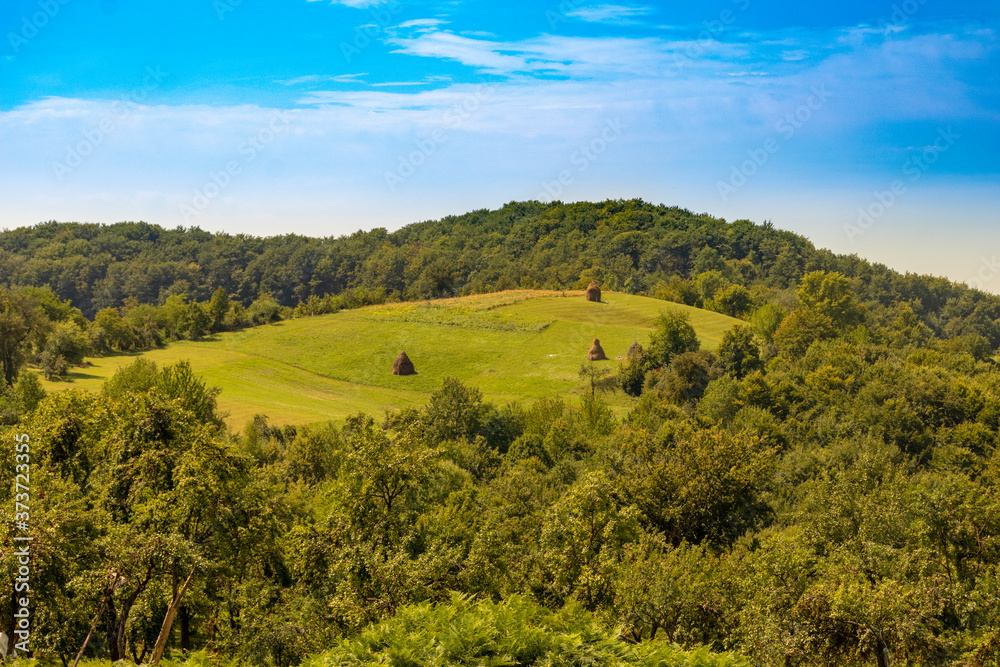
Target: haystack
x,y
593,293
633,348
596,352
403,365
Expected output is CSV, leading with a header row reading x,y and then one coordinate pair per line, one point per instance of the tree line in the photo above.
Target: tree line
x,y
802,495
96,289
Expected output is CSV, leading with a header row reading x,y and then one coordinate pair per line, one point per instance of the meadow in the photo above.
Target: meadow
x,y
514,346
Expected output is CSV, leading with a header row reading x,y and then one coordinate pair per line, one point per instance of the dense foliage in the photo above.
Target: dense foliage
x,y
823,489
514,632
628,246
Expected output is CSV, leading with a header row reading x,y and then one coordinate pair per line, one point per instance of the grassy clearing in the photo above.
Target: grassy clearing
x,y
519,345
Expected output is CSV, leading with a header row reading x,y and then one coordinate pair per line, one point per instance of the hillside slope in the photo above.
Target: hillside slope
x,y
516,345
624,245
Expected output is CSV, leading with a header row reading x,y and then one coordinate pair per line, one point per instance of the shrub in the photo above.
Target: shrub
x,y
514,632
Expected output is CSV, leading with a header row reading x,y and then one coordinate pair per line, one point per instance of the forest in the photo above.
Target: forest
x,y
821,489
131,286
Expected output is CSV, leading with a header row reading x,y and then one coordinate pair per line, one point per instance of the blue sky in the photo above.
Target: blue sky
x,y
871,127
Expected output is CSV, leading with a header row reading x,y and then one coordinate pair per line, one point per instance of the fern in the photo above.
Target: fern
x,y
512,633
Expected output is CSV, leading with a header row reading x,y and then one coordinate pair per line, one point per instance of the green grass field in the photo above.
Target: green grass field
x,y
519,345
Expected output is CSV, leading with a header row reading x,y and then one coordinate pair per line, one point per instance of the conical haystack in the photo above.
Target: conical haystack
x,y
403,365
593,293
634,347
596,352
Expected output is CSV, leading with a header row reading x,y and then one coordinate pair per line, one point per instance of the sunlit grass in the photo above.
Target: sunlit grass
x,y
519,345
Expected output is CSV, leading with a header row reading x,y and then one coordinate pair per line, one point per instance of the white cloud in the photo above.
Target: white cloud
x,y
796,54
688,107
324,78
357,4
422,23
391,84
614,14
559,55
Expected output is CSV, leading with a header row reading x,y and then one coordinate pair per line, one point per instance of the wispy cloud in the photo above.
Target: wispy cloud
x,y
688,104
391,84
324,78
613,14
550,55
357,4
422,23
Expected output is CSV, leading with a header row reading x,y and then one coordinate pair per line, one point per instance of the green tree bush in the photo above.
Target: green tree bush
x,y
672,335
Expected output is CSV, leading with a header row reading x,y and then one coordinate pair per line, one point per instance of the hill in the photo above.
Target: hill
x,y
513,346
626,245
